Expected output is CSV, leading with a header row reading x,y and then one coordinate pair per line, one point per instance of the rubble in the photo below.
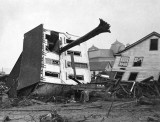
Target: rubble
x,y
52,117
6,119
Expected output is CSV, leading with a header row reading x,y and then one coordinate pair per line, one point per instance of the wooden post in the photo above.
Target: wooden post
x,y
73,65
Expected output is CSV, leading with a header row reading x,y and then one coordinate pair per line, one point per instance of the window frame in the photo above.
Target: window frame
x,y
76,77
55,73
68,41
123,62
68,52
130,76
141,61
52,60
118,72
77,65
152,47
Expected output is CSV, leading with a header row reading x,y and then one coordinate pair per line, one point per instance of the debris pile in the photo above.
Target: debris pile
x,y
117,89
52,117
3,88
124,89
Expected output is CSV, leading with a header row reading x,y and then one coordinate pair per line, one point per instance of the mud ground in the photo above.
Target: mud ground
x,y
121,111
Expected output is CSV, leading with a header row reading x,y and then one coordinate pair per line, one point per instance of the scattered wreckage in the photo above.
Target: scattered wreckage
x,y
30,73
101,89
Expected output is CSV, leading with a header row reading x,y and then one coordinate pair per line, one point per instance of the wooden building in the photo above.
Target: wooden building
x,y
40,61
101,60
139,60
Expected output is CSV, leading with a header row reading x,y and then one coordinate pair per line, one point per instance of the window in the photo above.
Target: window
x,y
124,61
77,53
69,52
137,61
69,41
119,75
51,61
52,74
51,41
133,76
77,64
154,44
78,77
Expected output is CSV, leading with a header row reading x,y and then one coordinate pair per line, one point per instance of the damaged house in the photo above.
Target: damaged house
x,y
40,61
102,60
51,60
139,60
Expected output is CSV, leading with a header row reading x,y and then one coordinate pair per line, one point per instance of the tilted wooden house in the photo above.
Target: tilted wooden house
x,y
40,61
139,60
51,60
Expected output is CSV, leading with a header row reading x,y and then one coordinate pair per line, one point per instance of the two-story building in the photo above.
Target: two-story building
x,y
139,60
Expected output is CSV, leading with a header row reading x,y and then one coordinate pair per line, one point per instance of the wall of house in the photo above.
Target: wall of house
x,y
150,64
48,66
61,68
65,58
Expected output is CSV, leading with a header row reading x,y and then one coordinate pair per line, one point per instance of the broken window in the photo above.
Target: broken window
x,y
52,74
77,64
52,42
154,44
124,61
133,76
78,77
137,61
77,53
119,75
51,61
69,40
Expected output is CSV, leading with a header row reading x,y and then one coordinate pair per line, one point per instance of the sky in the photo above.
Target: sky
x,y
130,21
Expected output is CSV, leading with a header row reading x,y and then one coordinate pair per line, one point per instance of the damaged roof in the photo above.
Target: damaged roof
x,y
99,66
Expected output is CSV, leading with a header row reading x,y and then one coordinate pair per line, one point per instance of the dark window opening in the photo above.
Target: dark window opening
x,y
52,61
119,75
79,65
78,77
70,52
137,61
52,74
154,44
77,53
133,76
52,41
69,41
55,62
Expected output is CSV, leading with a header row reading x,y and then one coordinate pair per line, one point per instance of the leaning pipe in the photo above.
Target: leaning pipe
x,y
101,28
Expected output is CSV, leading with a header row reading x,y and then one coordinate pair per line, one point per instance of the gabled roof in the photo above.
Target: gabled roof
x,y
98,66
140,41
93,48
116,42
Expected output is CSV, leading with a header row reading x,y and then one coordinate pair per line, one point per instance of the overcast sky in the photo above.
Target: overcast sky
x,y
130,20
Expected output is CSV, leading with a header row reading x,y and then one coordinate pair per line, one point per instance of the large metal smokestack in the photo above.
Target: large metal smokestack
x,y
101,28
